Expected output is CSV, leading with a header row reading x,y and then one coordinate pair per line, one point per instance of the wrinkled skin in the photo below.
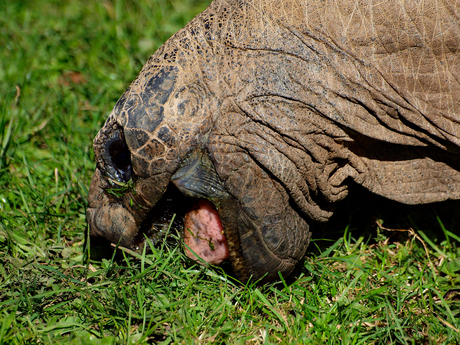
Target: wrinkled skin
x,y
271,109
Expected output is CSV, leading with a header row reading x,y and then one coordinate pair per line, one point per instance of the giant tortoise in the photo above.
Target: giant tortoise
x,y
262,113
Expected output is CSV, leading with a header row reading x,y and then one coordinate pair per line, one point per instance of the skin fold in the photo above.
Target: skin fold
x,y
272,109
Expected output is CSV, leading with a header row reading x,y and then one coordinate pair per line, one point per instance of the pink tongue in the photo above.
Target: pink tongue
x,y
204,234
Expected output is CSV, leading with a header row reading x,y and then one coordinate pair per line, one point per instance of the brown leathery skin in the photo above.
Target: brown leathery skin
x,y
293,100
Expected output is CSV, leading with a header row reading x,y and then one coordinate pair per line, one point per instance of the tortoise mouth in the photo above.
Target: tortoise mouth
x,y
167,216
196,219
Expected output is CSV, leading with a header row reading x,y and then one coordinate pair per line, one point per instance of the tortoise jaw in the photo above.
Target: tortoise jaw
x,y
130,219
195,219
164,217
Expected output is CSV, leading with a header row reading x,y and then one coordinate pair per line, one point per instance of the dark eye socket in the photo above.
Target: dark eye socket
x,y
121,157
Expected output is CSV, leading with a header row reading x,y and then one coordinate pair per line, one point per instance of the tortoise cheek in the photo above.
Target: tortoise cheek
x,y
250,244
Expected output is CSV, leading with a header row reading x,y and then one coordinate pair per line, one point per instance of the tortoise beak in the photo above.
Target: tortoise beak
x,y
108,218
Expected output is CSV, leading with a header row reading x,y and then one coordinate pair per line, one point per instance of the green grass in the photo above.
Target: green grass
x,y
63,65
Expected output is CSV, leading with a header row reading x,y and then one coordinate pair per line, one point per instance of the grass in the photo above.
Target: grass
x,y
63,65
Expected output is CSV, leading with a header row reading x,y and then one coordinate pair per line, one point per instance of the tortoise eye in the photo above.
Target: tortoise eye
x,y
116,157
121,157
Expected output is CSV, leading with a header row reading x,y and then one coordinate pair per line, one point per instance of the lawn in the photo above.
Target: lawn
x,y
378,273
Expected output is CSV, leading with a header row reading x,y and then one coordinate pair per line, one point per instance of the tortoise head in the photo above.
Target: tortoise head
x,y
160,122
179,127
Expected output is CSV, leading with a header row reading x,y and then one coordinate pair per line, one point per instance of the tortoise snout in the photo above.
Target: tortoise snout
x,y
112,222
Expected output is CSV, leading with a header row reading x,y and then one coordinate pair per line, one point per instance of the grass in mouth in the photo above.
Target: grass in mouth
x,y
63,65
121,188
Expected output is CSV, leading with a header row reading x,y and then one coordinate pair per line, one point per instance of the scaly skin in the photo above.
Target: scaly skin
x,y
288,102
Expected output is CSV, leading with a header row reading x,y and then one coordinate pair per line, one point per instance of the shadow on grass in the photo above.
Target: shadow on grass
x,y
358,216
359,213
